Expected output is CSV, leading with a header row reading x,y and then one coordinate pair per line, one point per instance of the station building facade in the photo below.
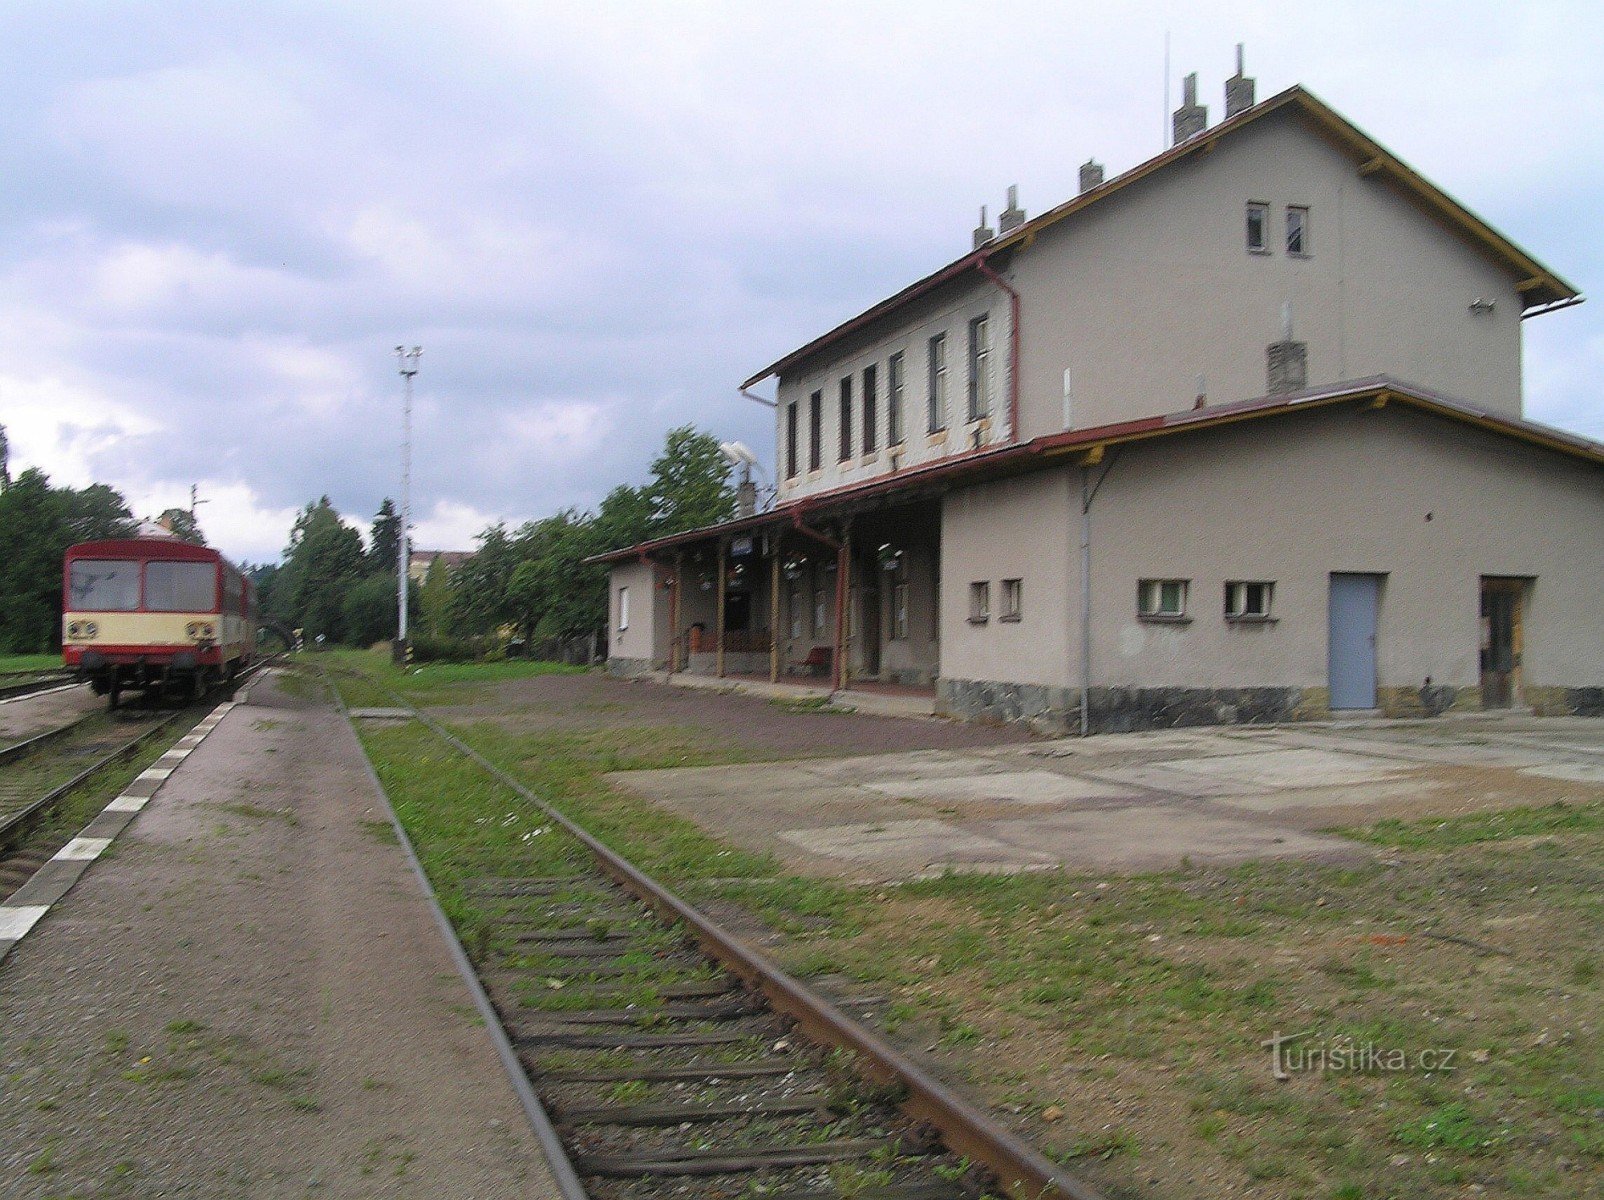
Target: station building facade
x,y
1236,435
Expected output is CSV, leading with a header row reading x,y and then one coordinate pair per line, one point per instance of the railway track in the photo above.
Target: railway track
x,y
660,1056
39,773
14,685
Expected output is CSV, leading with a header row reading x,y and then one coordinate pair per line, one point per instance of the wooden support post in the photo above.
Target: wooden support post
x,y
774,605
839,657
718,633
674,611
846,597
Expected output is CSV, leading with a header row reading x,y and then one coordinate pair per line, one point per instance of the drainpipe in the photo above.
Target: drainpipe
x,y
1085,600
985,269
718,620
774,606
839,653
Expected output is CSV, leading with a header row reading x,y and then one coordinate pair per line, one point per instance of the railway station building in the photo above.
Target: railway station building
x,y
1236,435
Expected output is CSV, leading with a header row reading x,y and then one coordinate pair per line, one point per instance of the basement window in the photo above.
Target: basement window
x,y
1258,228
1298,232
1013,600
1248,601
1162,599
980,602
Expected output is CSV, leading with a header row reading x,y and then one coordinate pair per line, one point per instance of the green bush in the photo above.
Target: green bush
x,y
432,648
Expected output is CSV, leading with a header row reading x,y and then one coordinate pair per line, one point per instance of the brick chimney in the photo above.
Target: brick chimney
x,y
1238,89
1191,118
1013,216
1091,175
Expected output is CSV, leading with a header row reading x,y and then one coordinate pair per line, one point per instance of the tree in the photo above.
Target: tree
x,y
479,600
434,599
690,484
37,525
181,523
368,611
323,560
5,460
384,538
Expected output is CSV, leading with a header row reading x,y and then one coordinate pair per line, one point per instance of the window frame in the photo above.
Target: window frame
x,y
871,417
1262,209
1301,211
790,439
1150,599
980,367
153,599
816,430
845,392
623,608
979,601
1237,591
896,386
1012,600
936,399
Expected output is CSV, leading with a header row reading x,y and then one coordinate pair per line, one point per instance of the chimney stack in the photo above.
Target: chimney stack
x,y
983,232
1238,89
1287,361
1091,175
1191,118
746,497
1013,216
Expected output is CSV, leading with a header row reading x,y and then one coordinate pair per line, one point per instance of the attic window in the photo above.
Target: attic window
x,y
1297,231
1258,227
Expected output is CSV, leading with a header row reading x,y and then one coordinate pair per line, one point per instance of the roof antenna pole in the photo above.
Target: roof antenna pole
x,y
1164,122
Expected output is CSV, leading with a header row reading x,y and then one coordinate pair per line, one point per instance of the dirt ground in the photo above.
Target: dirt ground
x,y
247,997
26,716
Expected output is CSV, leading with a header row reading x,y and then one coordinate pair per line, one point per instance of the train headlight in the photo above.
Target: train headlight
x,y
200,631
80,631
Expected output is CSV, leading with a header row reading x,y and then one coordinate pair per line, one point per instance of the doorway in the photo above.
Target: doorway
x,y
1351,669
1502,602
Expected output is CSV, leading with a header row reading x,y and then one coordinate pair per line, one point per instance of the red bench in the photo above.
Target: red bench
x,y
819,660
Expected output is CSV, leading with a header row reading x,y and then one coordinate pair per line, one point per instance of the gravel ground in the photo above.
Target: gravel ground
x,y
248,998
750,723
27,715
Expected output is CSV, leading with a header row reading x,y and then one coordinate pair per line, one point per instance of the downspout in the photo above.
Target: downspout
x,y
985,269
840,549
1088,493
774,606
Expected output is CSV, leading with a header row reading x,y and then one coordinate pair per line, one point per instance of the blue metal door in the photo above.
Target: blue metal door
x,y
1354,601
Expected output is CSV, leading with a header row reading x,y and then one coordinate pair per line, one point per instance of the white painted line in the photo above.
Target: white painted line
x,y
16,920
66,687
157,773
127,804
83,848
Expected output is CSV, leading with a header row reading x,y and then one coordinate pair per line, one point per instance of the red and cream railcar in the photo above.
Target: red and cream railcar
x,y
151,612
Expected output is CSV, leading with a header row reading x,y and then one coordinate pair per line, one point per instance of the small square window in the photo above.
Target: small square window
x,y
1258,228
1298,232
1248,601
1162,599
979,602
1013,600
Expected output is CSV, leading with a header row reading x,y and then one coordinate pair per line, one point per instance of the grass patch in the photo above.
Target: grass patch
x,y
30,662
1549,820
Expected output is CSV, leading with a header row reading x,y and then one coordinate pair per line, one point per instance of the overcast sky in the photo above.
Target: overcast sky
x,y
219,218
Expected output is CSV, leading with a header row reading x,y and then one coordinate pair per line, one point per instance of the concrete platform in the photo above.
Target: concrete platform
x,y
1131,802
247,996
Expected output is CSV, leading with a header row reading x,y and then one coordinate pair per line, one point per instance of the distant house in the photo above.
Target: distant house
x,y
419,562
1236,435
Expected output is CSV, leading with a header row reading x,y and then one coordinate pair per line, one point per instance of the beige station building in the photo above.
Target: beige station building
x,y
1234,436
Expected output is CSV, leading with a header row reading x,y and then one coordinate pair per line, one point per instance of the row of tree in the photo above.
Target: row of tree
x,y
331,584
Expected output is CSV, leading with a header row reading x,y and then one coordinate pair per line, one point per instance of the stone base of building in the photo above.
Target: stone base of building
x,y
1565,701
1119,710
736,662
626,668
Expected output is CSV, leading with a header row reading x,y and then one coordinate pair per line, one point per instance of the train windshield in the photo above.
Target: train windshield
x,y
103,586
180,586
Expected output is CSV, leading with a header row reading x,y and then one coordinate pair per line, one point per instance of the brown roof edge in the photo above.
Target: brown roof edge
x,y
1375,388
1548,288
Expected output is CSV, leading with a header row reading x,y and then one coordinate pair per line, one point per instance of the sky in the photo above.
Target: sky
x,y
219,218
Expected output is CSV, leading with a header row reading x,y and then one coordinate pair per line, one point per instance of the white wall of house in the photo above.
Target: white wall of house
x,y
1139,295
640,635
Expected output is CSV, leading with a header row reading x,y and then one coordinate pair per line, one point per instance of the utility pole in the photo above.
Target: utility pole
x,y
194,501
408,362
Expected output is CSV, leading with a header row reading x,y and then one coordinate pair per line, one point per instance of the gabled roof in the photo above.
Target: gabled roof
x,y
1089,445
1538,285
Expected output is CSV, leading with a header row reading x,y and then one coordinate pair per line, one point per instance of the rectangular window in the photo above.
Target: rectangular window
x,y
1013,600
1258,228
790,440
979,602
894,374
871,432
815,431
1248,601
1161,599
95,585
937,401
846,417
899,612
979,368
1298,231
623,608
181,587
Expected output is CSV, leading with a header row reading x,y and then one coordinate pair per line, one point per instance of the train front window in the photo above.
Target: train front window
x,y
96,585
180,586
